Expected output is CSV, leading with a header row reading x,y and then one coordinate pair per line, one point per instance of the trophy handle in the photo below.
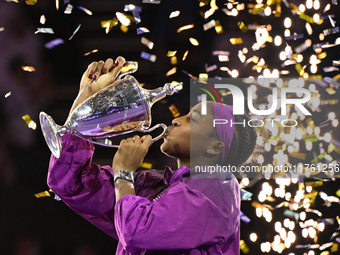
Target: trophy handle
x,y
142,128
120,77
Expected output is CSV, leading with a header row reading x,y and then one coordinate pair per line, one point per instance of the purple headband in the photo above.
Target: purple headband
x,y
225,131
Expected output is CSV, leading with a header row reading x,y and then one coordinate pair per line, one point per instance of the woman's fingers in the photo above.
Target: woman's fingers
x,y
107,65
93,68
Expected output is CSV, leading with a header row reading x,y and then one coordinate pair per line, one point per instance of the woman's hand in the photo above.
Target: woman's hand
x,y
131,153
103,75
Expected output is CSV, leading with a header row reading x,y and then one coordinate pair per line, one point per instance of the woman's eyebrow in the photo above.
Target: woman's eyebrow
x,y
199,113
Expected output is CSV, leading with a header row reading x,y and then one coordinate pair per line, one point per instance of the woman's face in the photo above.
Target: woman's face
x,y
189,134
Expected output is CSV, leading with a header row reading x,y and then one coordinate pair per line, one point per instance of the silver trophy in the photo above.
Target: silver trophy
x,y
120,108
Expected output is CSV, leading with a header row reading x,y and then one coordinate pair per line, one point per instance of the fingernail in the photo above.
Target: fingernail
x,y
91,75
94,77
116,64
125,64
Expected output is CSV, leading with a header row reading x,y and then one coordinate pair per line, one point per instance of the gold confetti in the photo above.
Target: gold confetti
x,y
31,124
92,51
171,71
193,41
8,94
185,55
31,2
186,27
57,4
42,194
218,27
171,53
235,41
146,165
319,157
109,24
28,68
124,28
242,26
174,110
173,60
243,246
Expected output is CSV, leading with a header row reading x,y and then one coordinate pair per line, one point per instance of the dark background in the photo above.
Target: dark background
x,y
44,226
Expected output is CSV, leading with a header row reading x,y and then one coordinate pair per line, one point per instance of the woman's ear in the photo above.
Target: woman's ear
x,y
216,148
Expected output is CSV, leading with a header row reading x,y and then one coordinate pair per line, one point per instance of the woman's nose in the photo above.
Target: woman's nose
x,y
176,122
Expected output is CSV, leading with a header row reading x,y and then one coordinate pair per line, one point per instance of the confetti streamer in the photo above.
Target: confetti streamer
x,y
148,56
302,47
151,2
90,52
54,43
185,55
331,81
142,30
123,18
87,11
31,2
57,4
171,71
44,30
211,68
244,218
30,123
174,14
174,111
132,7
309,28
330,31
193,41
147,43
186,27
42,19
209,25
75,31
68,9
294,37
330,69
28,68
8,94
136,16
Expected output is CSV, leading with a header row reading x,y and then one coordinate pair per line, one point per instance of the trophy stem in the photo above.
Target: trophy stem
x,y
52,133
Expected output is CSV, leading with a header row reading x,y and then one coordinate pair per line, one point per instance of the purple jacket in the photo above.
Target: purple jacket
x,y
171,212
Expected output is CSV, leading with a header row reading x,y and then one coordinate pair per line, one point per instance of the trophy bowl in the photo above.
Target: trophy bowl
x,y
120,108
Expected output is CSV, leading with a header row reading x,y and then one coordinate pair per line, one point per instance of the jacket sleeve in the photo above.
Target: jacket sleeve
x,y
85,187
183,218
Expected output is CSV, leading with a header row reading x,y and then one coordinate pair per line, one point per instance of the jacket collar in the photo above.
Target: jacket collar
x,y
172,177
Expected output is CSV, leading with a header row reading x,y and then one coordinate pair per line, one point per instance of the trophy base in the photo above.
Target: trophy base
x,y
51,133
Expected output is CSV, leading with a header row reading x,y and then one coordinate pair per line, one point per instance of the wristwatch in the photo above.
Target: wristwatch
x,y
124,174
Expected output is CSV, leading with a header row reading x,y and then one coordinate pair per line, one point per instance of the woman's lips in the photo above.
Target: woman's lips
x,y
166,133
